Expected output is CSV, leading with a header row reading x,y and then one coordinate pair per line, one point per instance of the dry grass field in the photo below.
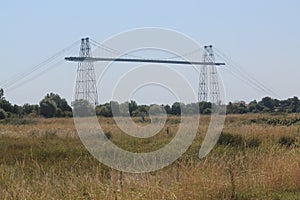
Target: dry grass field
x,y
257,157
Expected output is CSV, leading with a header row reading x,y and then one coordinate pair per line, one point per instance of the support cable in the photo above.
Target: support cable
x,y
242,74
22,75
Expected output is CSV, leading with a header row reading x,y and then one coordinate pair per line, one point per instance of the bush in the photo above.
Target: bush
x,y
207,111
68,114
18,121
3,114
48,108
59,113
32,115
287,141
83,108
173,121
231,140
253,142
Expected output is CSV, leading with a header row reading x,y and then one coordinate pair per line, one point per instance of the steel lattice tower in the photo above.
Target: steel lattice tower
x,y
208,81
86,80
203,80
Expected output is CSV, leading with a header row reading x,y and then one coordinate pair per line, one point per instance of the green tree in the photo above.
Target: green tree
x,y
6,105
156,110
61,106
1,93
132,107
3,114
114,106
293,105
207,111
142,110
60,102
236,108
28,109
268,104
48,108
104,110
242,108
168,109
252,107
183,108
192,108
18,110
82,108
176,109
205,107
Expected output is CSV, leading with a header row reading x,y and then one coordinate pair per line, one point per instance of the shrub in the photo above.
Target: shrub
x,y
231,140
3,114
18,121
287,141
68,114
48,108
83,108
59,113
32,115
173,121
207,111
253,142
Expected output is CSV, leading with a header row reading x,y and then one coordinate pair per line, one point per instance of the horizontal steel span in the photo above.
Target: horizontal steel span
x,y
180,62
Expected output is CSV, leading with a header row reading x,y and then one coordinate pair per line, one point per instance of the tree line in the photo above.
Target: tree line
x,y
52,105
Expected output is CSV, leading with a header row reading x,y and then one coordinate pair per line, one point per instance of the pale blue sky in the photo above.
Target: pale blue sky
x,y
262,36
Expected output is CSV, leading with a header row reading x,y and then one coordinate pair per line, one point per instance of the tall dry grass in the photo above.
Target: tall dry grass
x,y
44,159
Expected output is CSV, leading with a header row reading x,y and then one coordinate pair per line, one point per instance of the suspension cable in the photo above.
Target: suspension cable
x,y
27,73
239,72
